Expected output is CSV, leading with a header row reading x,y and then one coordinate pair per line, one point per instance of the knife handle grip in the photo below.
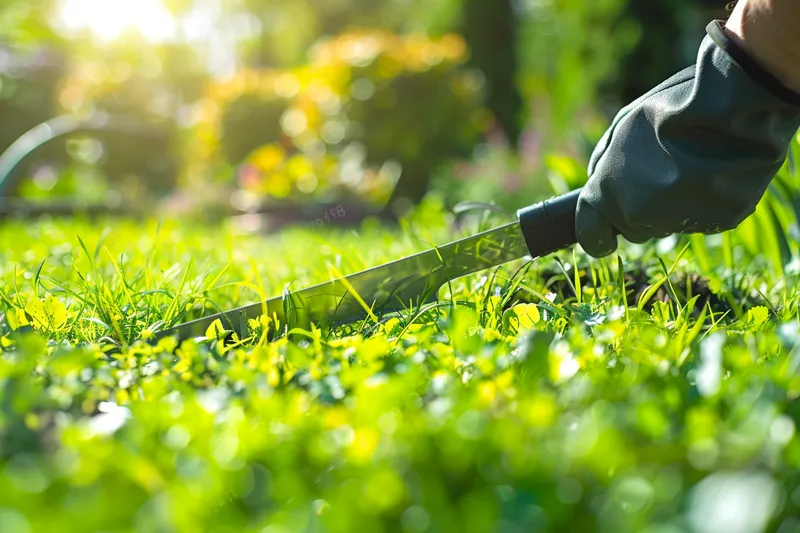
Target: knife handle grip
x,y
549,226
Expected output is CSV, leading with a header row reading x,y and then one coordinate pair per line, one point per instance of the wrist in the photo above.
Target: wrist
x,y
768,31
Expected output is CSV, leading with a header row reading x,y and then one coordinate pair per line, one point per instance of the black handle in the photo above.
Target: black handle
x,y
549,226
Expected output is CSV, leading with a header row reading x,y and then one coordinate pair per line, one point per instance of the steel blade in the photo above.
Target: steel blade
x,y
395,286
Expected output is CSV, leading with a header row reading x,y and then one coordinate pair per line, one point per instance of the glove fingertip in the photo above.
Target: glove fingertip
x,y
593,232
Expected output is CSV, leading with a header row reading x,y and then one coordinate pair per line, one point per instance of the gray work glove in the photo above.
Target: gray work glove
x,y
694,155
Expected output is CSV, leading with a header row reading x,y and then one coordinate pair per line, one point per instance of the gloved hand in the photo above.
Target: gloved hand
x,y
694,155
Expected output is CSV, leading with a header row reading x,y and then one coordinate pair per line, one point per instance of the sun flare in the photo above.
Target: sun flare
x,y
110,19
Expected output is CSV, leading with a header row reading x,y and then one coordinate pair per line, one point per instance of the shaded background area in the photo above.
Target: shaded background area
x,y
225,106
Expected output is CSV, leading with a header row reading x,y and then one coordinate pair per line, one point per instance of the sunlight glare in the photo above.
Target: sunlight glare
x,y
110,19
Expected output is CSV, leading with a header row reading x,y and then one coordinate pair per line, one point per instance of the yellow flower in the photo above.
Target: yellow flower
x,y
267,158
298,166
278,185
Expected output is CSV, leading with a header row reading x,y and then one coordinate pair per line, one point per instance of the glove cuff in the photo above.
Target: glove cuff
x,y
752,68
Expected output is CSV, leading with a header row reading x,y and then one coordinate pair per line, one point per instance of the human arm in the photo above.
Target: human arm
x,y
769,31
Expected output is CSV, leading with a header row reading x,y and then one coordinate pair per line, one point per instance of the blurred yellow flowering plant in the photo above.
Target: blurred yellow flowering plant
x,y
367,108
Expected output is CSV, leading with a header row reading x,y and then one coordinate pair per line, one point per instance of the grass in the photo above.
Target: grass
x,y
654,390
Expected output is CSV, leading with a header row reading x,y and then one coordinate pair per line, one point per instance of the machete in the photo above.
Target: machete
x,y
540,230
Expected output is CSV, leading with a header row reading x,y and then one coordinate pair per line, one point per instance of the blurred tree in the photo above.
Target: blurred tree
x,y
657,51
669,35
490,29
567,50
581,60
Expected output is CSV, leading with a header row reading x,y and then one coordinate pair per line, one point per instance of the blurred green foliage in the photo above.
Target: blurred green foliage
x,y
549,74
368,109
491,30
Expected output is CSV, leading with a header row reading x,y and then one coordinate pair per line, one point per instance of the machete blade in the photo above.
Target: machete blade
x,y
405,283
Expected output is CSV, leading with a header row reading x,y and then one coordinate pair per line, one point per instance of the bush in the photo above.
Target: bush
x,y
367,105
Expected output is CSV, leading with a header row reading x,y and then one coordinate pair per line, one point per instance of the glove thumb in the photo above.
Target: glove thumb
x,y
595,235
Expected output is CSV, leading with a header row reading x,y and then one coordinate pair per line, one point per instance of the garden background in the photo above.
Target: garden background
x,y
229,104
164,159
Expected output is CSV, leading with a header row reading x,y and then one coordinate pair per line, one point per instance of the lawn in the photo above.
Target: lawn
x,y
653,390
